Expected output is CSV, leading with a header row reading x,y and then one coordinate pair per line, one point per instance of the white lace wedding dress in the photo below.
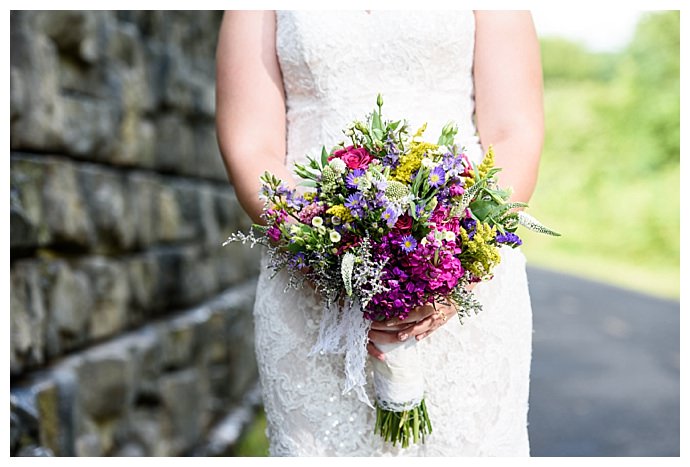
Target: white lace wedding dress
x,y
477,373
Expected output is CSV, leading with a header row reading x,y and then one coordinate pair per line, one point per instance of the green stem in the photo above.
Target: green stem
x,y
403,426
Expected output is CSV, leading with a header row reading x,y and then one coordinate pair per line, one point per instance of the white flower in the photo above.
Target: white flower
x,y
321,229
443,149
448,236
335,236
424,241
427,162
338,165
317,221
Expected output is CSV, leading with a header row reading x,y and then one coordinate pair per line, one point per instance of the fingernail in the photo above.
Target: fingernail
x,y
382,358
403,336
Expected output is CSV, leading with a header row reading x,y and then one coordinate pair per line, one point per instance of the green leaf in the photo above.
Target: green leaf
x,y
324,156
481,208
376,122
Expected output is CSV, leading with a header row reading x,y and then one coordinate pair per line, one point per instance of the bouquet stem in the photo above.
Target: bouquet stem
x,y
401,413
402,426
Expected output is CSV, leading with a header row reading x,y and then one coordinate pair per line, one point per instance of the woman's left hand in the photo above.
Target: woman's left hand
x,y
421,322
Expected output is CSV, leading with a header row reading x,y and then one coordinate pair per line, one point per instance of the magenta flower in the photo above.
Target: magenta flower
x,y
273,233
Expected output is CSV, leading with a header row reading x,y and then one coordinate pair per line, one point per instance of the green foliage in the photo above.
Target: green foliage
x,y
567,61
610,172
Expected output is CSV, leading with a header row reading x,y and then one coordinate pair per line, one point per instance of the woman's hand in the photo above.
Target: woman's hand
x,y
421,322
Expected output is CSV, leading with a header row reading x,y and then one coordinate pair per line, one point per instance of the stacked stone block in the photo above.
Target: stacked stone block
x,y
130,323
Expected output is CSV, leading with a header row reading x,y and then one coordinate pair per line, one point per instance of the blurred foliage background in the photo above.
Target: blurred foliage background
x,y
609,178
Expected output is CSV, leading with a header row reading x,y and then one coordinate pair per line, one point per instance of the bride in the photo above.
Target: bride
x,y
289,81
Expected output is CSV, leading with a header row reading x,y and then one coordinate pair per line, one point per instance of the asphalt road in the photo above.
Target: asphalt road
x,y
605,370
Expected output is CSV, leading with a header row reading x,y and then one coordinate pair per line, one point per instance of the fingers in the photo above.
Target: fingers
x,y
385,326
423,328
415,315
382,337
375,352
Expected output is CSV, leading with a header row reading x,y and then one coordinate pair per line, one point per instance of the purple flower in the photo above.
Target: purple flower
x,y
408,243
456,190
508,238
352,179
273,233
355,202
298,261
470,226
392,156
390,215
437,177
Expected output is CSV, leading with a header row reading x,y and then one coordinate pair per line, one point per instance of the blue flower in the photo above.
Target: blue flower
x,y
390,215
355,202
437,177
508,238
298,261
470,226
352,179
408,243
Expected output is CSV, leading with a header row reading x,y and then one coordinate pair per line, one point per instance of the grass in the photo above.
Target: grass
x,y
253,442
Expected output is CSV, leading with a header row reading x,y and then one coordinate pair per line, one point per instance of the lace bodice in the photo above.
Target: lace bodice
x,y
335,63
477,374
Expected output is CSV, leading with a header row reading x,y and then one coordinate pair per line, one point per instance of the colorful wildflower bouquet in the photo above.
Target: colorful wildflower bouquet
x,y
383,225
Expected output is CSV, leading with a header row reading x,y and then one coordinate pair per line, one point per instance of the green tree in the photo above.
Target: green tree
x,y
651,70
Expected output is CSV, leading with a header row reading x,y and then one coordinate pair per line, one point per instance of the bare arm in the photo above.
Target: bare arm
x,y
509,96
250,104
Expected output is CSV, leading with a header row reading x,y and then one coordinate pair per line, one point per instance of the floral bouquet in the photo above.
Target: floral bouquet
x,y
386,224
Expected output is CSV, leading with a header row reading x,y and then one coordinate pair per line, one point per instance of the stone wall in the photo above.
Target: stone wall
x,y
131,328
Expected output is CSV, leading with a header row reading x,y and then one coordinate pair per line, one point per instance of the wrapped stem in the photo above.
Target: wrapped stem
x,y
401,414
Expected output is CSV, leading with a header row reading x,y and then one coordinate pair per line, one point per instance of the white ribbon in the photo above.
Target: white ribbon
x,y
345,332
398,381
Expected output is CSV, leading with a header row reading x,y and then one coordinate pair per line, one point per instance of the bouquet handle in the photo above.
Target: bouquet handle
x,y
401,413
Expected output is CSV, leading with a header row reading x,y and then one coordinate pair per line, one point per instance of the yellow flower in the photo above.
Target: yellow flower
x,y
486,255
487,162
412,160
340,211
483,169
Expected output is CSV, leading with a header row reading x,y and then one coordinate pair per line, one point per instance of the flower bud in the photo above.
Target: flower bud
x,y
379,100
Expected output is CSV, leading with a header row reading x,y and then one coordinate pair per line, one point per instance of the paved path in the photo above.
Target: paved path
x,y
605,370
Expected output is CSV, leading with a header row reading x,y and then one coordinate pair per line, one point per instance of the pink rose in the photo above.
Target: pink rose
x,y
354,158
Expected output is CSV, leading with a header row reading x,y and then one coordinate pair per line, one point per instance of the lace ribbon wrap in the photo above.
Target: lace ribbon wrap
x,y
398,381
344,331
